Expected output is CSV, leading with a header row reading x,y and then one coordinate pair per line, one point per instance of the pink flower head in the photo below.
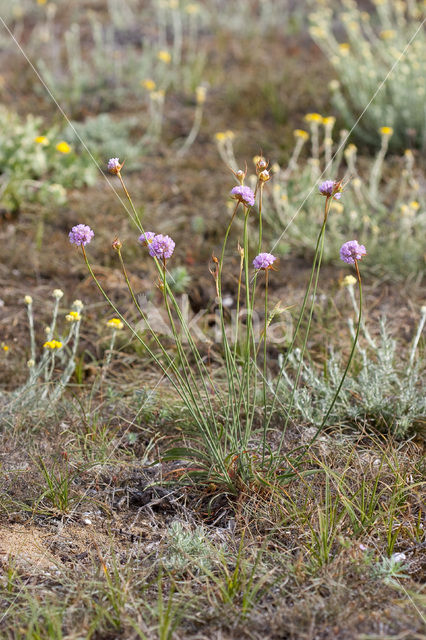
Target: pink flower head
x,y
243,194
352,251
330,188
146,238
81,234
264,261
161,247
114,165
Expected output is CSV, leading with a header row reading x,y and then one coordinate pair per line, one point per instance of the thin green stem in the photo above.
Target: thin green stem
x,y
315,270
351,355
138,337
264,365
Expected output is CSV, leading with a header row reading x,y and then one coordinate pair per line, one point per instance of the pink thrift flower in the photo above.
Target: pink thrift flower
x,y
161,247
81,234
243,194
351,251
264,261
146,238
330,188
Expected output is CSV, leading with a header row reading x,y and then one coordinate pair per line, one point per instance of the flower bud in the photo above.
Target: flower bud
x,y
264,176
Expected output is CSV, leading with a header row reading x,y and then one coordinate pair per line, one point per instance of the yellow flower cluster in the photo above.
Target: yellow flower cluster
x,y
164,56
42,140
300,133
148,84
221,136
63,147
52,344
349,281
386,131
200,94
115,323
329,121
73,316
192,8
313,117
388,34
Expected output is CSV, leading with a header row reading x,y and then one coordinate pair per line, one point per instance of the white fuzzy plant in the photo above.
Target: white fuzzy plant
x,y
385,45
384,389
50,371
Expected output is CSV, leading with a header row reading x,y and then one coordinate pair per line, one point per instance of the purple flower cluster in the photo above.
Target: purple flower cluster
x,y
161,247
264,261
352,251
330,188
114,165
243,194
146,238
81,234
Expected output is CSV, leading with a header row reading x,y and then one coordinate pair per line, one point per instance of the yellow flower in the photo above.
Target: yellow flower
x,y
42,140
192,8
148,84
388,34
164,56
200,93
386,131
414,205
63,147
115,323
344,48
300,133
73,316
349,281
28,300
52,344
313,117
41,2
230,135
30,363
220,136
329,121
5,347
